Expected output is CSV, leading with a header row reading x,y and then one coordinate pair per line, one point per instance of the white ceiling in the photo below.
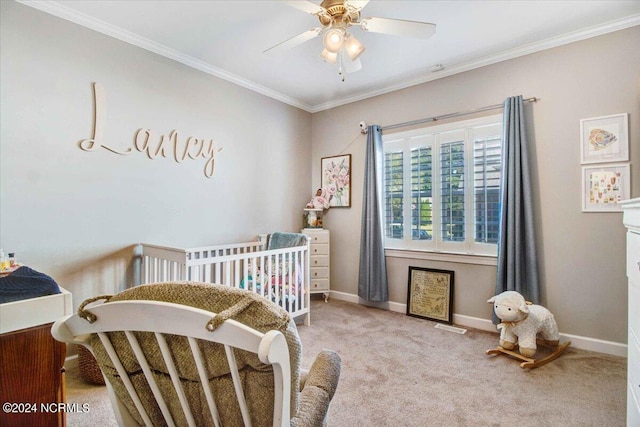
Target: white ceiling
x,y
227,39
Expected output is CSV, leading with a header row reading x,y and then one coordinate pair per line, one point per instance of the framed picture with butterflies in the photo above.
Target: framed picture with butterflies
x,y
604,139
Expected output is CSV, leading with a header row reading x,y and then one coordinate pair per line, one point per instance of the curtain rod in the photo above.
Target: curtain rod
x,y
448,116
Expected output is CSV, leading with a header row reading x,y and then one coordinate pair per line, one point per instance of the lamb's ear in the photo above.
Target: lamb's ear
x,y
491,300
524,308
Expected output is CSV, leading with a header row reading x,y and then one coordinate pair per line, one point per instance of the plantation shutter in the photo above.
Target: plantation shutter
x,y
421,197
452,221
394,194
486,161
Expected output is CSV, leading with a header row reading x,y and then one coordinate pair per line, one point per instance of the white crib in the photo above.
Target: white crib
x,y
281,275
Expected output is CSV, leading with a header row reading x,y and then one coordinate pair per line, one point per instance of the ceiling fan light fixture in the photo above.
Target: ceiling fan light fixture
x,y
347,64
353,46
330,57
333,40
339,46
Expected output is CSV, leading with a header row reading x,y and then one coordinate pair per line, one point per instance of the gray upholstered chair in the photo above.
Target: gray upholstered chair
x,y
201,354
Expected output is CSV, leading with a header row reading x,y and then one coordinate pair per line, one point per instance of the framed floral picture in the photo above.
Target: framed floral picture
x,y
336,180
604,187
604,139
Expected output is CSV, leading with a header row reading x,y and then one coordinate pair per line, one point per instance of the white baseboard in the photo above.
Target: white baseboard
x,y
594,344
577,341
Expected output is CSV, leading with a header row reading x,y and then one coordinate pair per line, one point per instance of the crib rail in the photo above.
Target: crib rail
x,y
280,275
162,264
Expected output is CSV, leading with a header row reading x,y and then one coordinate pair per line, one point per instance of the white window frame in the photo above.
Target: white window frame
x,y
434,136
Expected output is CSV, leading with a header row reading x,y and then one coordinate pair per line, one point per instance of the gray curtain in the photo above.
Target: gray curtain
x,y
372,280
517,260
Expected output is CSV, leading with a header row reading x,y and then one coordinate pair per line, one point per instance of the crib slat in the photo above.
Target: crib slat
x,y
264,279
207,273
269,277
218,274
292,282
236,273
279,273
227,273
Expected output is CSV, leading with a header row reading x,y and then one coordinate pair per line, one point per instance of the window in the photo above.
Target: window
x,y
442,187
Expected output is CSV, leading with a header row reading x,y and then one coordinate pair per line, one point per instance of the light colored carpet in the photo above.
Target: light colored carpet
x,y
401,371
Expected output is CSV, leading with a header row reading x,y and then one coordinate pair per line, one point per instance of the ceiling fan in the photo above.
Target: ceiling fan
x,y
341,47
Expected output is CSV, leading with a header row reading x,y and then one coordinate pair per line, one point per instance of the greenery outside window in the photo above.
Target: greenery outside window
x,y
442,187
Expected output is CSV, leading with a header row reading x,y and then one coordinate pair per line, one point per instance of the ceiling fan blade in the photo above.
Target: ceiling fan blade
x,y
356,4
294,41
398,27
306,6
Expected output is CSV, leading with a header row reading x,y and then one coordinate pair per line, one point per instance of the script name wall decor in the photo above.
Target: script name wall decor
x,y
147,141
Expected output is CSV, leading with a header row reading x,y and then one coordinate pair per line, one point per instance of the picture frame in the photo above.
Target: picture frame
x,y
605,186
336,180
430,294
604,139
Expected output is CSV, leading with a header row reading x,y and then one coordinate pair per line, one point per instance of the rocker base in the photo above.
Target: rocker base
x,y
528,362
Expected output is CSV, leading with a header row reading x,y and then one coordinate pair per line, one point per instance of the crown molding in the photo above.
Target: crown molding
x,y
61,11
64,12
471,64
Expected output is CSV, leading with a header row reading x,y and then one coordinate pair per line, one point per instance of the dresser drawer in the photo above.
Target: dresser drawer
x,y
319,237
320,261
633,257
319,273
319,285
319,249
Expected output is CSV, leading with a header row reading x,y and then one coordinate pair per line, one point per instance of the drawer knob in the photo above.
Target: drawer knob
x,y
315,250
315,274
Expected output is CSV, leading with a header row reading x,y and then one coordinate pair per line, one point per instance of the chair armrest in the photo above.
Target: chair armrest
x,y
317,390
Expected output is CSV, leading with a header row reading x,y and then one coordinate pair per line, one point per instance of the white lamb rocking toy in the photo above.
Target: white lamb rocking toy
x,y
524,326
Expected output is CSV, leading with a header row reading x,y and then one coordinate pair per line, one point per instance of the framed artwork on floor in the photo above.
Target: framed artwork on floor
x,y
430,294
336,180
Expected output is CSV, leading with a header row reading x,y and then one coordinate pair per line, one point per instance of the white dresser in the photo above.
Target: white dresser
x,y
319,258
631,220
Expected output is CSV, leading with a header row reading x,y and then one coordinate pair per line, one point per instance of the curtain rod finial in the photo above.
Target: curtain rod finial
x,y
363,127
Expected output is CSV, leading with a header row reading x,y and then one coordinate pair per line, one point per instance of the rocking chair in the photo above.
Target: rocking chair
x,y
198,354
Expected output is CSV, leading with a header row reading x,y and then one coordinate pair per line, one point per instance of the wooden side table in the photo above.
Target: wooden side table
x,y
32,361
32,375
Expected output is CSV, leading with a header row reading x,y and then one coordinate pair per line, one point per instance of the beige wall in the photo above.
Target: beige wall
x,y
75,215
582,255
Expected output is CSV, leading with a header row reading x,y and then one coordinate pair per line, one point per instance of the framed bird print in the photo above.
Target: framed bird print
x,y
604,139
